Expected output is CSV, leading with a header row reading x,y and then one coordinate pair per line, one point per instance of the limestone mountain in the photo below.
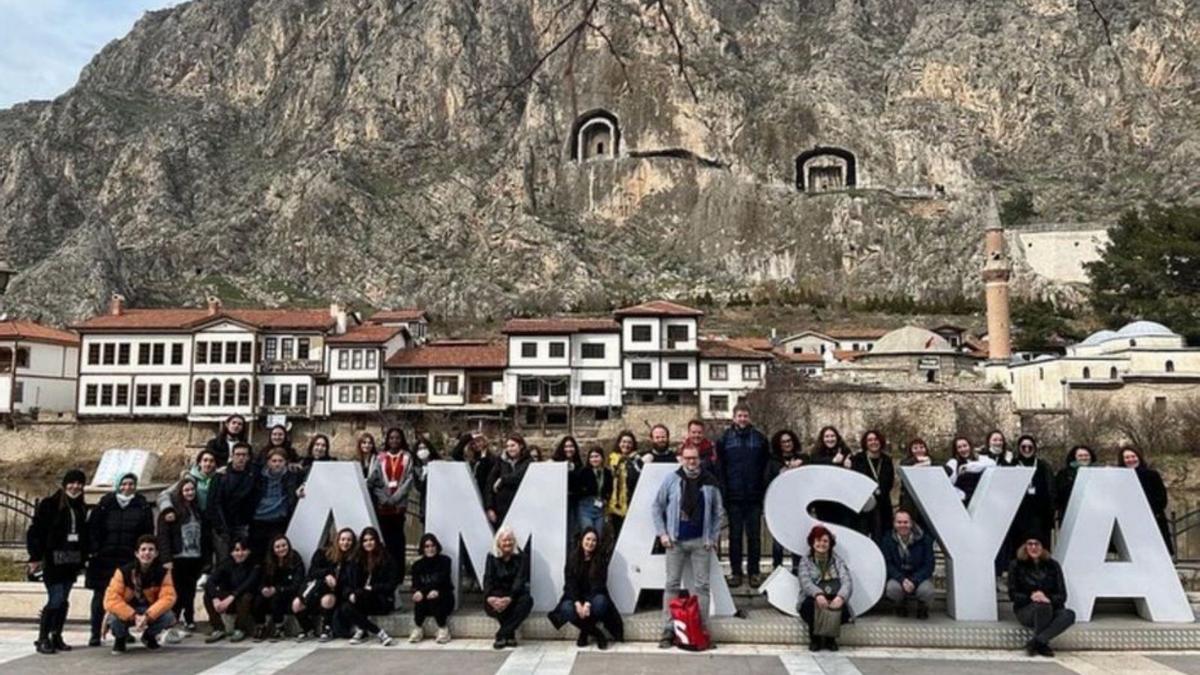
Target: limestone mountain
x,y
481,157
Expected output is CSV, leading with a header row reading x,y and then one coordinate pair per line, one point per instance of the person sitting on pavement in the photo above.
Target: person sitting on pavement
x,y
140,596
1039,594
824,584
908,554
229,594
332,575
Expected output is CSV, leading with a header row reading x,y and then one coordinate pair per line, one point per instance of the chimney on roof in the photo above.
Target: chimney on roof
x,y
116,304
338,313
214,305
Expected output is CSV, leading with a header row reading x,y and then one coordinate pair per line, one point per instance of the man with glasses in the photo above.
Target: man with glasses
x,y
687,519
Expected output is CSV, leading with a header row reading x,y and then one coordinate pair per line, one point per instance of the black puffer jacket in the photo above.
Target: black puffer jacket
x,y
1026,576
55,520
231,502
287,579
113,533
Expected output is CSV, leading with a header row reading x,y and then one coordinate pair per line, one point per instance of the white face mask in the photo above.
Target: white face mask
x,y
423,454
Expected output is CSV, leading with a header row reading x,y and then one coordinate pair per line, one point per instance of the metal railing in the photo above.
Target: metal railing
x,y
16,513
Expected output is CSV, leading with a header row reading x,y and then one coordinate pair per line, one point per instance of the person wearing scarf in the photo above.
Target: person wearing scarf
x,y
1064,481
1036,512
825,583
57,543
275,496
114,527
908,556
687,519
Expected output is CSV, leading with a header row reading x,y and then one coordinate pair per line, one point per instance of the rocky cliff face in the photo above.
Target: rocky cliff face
x,y
396,152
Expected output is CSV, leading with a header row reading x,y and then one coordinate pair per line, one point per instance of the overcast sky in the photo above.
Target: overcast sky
x,y
45,43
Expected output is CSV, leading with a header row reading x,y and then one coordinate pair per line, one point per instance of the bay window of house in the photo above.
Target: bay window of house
x,y
718,403
529,388
285,395
156,396
230,393
268,395
718,372
287,349
445,385
214,392
343,394
302,395
141,395
372,359
198,393
356,359
677,371
639,371
177,353
302,348
22,357
174,393
91,395
357,396
677,334
640,333
270,348
215,352
558,388
409,387
247,349
558,350
372,395
143,354
751,371
591,350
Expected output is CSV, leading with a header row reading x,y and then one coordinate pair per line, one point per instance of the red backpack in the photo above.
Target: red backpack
x,y
689,628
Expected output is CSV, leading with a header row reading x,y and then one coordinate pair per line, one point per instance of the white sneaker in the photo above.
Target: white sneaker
x,y
173,636
385,640
358,637
443,635
416,635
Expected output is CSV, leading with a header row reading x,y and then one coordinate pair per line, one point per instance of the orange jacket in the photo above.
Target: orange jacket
x,y
157,586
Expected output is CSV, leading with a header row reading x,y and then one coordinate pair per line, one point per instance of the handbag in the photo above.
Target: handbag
x,y
827,622
67,557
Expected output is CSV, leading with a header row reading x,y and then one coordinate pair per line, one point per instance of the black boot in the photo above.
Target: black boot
x,y
599,637
60,620
45,644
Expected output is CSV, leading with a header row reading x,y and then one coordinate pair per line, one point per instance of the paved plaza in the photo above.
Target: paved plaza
x,y
476,657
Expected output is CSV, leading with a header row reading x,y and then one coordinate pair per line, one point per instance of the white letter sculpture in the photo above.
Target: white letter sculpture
x,y
787,502
334,490
1110,500
634,565
538,515
970,536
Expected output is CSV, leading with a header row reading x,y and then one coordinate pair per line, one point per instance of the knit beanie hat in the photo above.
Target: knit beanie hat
x,y
74,476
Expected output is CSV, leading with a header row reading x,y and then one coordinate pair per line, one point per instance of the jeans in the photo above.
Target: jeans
x,y
57,594
600,608
1046,621
894,591
691,553
365,604
590,515
120,629
745,517
512,617
439,608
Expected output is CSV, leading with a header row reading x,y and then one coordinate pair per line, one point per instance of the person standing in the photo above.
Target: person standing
x,y
506,587
391,483
57,544
1154,489
660,447
505,479
585,602
785,456
115,526
231,503
374,590
831,450
743,453
697,439
367,453
276,492
278,438
140,595
232,432
432,590
1079,457
874,463
318,451
1036,512
1039,594
626,469
965,468
916,456
687,519
908,557
183,549
568,451
594,485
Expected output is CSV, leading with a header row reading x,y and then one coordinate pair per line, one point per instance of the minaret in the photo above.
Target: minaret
x,y
996,273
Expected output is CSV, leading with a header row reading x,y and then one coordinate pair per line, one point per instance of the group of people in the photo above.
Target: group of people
x,y
224,522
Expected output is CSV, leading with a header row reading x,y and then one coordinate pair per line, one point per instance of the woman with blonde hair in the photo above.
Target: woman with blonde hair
x,y
506,587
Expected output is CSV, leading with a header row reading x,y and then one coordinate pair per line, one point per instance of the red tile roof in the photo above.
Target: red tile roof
x,y
368,334
850,333
724,349
399,315
761,344
36,332
183,319
803,357
658,308
452,354
846,354
560,325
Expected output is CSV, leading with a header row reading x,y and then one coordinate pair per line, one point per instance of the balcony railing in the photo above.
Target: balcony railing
x,y
289,410
303,366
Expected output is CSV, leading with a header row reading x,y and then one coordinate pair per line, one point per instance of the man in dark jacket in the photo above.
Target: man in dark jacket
x,y
231,504
660,446
742,456
1039,595
908,554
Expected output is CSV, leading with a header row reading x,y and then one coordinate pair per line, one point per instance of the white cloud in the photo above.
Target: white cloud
x,y
45,43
